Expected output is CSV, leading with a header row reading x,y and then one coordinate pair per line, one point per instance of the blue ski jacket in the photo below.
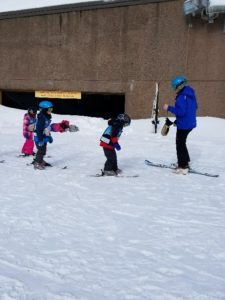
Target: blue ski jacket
x,y
185,108
42,130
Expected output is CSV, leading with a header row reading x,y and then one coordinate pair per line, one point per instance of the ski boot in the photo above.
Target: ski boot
x,y
118,171
38,166
109,173
46,164
181,171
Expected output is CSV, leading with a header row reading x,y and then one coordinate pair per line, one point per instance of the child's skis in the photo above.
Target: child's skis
x,y
116,175
155,109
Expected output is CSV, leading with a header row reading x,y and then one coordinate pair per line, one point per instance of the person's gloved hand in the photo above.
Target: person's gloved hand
x,y
41,143
168,122
26,135
31,127
117,146
73,128
48,139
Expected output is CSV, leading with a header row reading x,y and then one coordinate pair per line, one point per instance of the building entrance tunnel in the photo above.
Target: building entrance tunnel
x,y
91,105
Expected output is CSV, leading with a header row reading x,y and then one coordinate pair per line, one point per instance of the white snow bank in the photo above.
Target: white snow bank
x,y
216,6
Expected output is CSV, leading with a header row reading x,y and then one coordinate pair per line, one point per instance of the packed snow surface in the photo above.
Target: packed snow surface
x,y
67,236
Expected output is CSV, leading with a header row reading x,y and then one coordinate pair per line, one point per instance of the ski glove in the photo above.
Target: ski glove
x,y
73,128
31,127
48,139
117,146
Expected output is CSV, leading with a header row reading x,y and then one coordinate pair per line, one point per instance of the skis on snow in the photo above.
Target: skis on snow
x,y
152,164
117,176
155,109
49,166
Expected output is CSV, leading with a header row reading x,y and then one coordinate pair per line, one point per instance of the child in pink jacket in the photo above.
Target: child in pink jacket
x,y
29,121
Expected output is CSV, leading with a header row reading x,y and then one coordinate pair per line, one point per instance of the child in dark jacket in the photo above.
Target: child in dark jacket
x,y
29,121
43,132
109,142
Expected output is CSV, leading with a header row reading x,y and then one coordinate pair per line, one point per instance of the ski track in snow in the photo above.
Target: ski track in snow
x,y
67,236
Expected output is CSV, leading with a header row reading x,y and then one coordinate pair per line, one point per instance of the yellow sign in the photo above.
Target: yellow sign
x,y
58,94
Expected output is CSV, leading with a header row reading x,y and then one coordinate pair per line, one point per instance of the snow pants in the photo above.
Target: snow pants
x,y
28,147
41,152
111,160
183,157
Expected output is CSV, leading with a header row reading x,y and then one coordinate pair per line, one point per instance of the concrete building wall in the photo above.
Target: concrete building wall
x,y
117,50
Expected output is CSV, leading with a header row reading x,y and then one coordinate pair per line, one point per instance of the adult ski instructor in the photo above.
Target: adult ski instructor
x,y
185,111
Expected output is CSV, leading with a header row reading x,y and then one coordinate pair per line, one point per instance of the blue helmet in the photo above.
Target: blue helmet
x,y
45,104
178,81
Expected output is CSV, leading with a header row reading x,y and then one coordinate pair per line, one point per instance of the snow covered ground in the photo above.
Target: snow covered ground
x,y
67,236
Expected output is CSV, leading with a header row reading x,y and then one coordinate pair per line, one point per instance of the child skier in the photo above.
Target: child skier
x,y
43,132
109,142
29,121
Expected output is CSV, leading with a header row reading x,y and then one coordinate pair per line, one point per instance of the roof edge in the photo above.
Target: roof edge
x,y
57,9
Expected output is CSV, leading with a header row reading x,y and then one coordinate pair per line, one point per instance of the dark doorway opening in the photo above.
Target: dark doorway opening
x,y
91,105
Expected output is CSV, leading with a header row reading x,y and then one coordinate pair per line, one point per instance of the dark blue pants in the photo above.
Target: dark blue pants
x,y
111,160
41,152
183,157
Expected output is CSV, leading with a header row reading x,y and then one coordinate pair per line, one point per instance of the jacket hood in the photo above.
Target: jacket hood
x,y
188,91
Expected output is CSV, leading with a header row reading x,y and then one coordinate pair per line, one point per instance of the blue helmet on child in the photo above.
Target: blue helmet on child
x,y
177,81
45,104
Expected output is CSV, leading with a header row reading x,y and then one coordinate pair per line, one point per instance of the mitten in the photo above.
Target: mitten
x,y
168,122
47,131
117,146
73,128
31,127
50,139
166,127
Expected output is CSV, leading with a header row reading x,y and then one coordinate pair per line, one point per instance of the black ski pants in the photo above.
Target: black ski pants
x,y
111,160
183,157
41,152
